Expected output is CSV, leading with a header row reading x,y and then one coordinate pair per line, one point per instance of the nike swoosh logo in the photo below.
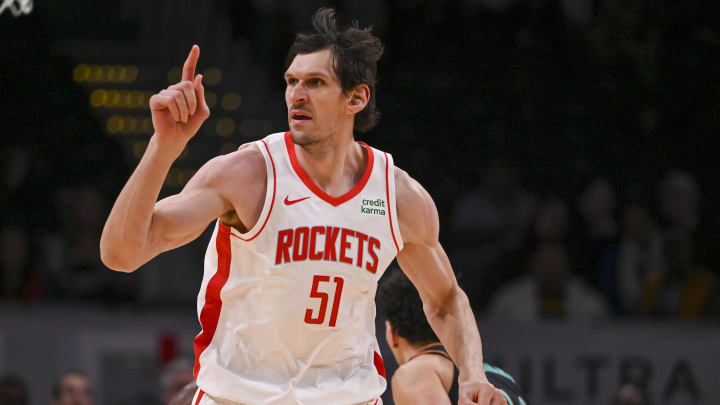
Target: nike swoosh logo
x,y
291,202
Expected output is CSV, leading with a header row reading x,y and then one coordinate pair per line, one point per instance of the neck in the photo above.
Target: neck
x,y
409,351
334,164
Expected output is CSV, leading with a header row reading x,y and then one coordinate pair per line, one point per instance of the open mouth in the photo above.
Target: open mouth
x,y
299,117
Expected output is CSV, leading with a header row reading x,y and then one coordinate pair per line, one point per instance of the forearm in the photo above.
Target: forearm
x,y
455,325
125,235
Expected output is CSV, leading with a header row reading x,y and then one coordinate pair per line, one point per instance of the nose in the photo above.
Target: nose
x,y
297,94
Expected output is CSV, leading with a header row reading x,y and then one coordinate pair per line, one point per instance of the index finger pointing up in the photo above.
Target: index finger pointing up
x,y
190,64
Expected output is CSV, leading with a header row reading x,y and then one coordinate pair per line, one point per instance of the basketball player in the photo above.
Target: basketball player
x,y
306,223
426,374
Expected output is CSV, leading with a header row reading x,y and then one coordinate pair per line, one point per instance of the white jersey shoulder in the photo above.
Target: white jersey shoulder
x,y
287,309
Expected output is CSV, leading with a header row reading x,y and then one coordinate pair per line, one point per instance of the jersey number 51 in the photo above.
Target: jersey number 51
x,y
324,298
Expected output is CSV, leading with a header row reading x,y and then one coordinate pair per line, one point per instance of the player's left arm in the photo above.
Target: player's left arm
x,y
446,306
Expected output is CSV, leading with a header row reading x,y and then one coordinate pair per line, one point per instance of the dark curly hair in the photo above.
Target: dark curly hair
x,y
355,54
399,302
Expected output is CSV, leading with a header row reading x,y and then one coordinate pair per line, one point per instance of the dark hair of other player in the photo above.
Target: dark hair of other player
x,y
399,302
355,54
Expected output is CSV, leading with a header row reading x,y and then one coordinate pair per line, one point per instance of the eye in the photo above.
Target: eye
x,y
315,82
291,81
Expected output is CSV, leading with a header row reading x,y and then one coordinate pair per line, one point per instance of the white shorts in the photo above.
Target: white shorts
x,y
201,398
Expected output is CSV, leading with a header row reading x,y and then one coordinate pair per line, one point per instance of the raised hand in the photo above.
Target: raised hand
x,y
179,111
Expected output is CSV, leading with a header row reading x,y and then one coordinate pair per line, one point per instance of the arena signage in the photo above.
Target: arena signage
x,y
563,364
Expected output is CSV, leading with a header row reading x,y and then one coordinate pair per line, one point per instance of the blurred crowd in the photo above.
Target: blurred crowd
x,y
75,387
593,255
570,193
568,146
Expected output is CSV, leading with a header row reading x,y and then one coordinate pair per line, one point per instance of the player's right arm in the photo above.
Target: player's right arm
x,y
139,227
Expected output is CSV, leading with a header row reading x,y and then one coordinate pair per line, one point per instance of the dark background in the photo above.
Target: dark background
x,y
514,102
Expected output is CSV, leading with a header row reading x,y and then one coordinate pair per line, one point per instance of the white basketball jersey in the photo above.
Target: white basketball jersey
x,y
288,309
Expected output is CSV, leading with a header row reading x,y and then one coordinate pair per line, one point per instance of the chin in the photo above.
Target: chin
x,y
302,138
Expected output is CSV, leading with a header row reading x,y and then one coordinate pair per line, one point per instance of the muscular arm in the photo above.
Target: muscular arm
x,y
139,228
446,306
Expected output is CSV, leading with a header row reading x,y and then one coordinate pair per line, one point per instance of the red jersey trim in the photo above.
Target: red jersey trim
x,y
387,191
210,313
379,365
199,398
334,201
272,201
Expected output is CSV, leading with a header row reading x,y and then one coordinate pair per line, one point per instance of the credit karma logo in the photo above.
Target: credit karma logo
x,y
373,207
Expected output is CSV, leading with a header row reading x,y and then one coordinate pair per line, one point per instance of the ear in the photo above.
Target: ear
x,y
358,98
392,336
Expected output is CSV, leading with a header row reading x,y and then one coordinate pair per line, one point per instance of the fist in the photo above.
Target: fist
x,y
480,393
179,111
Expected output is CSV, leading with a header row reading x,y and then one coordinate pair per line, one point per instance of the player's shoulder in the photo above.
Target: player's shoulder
x,y
244,167
417,214
421,377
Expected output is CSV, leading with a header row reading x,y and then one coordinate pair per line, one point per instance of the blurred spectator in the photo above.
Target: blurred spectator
x,y
73,388
640,259
489,226
550,291
680,202
630,394
598,231
18,280
552,220
176,376
14,258
498,213
687,289
71,255
13,391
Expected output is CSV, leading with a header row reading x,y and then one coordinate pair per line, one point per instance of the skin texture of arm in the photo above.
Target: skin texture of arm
x,y
446,306
418,383
229,187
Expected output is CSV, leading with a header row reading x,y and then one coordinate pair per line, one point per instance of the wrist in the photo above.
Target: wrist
x,y
476,376
163,152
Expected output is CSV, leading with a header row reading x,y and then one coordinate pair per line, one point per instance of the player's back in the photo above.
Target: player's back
x,y
287,309
498,377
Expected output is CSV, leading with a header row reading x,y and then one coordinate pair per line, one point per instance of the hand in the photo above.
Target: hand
x,y
480,393
179,111
185,395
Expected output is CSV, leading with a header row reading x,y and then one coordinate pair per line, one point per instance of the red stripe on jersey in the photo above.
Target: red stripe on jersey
x,y
387,191
379,365
210,312
200,395
334,201
272,201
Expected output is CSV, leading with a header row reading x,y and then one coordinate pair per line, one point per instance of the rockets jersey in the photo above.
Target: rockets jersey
x,y
287,309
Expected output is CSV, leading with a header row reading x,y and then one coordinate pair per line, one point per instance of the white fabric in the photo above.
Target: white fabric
x,y
208,400
263,351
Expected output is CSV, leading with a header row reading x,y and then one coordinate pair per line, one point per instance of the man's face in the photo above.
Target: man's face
x,y
317,106
75,390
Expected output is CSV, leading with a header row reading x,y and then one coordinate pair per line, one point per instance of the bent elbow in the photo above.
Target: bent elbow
x,y
113,260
